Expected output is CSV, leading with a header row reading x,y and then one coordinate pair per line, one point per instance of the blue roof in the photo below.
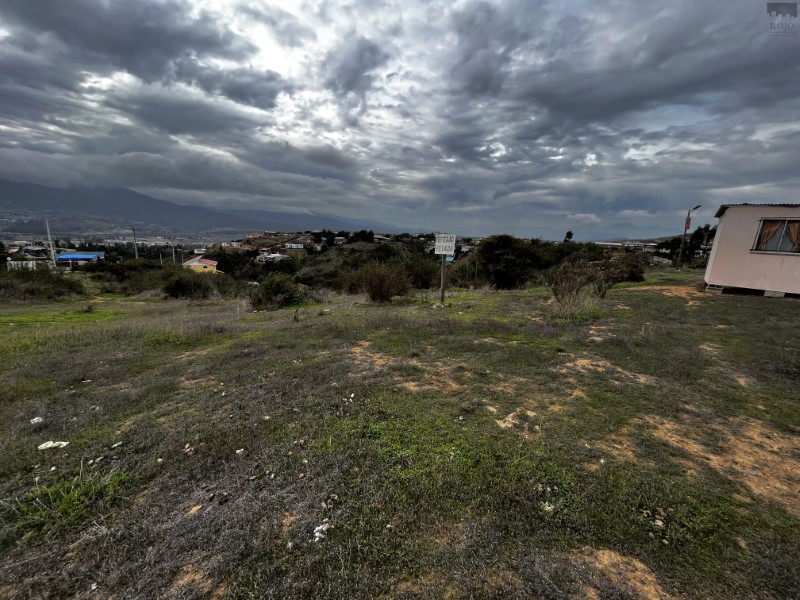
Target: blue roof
x,y
79,256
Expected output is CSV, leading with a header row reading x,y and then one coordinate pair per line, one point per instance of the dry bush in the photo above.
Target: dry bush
x,y
321,295
568,282
381,281
603,277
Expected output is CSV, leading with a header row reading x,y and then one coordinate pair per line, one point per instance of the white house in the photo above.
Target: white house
x,y
757,247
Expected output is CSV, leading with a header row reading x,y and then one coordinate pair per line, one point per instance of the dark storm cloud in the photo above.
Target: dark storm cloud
x,y
681,56
330,157
141,37
487,37
245,86
176,113
349,67
525,114
56,43
31,59
320,162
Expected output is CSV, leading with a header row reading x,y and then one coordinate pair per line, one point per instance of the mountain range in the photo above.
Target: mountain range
x,y
86,211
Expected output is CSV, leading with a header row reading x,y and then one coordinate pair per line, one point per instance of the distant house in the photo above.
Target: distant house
x,y
757,247
201,265
338,241
271,257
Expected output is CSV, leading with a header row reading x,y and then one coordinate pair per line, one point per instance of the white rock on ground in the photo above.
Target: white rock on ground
x,y
52,444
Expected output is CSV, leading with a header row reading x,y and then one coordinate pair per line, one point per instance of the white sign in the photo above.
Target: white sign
x,y
445,243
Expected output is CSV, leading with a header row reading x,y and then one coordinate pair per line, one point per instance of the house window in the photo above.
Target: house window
x,y
778,235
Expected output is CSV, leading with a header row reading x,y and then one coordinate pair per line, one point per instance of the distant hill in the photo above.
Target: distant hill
x,y
82,211
277,221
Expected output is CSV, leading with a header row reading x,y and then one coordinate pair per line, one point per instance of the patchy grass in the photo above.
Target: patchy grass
x,y
60,505
648,449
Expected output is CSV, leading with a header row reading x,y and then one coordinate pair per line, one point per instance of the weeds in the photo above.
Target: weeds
x,y
788,363
56,507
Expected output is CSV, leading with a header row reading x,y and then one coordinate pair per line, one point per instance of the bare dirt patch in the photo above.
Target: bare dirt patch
x,y
520,421
190,576
492,341
287,520
7,591
685,292
712,349
185,383
597,333
500,579
450,534
587,366
436,376
192,354
578,393
369,359
508,384
624,573
619,447
749,452
429,585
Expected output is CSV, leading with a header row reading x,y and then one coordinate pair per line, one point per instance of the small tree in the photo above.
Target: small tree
x,y
506,261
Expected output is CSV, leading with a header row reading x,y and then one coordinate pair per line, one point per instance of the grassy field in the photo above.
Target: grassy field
x,y
650,450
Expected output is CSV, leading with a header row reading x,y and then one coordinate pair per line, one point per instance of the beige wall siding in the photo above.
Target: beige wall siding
x,y
733,264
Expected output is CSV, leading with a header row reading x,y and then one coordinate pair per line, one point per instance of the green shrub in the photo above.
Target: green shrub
x,y
506,261
423,271
631,268
229,287
129,277
466,274
275,291
40,284
382,281
187,284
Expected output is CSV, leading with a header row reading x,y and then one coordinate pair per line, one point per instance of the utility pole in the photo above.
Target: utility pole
x,y
173,250
135,245
50,243
686,227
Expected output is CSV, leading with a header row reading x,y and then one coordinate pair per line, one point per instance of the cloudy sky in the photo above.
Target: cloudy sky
x,y
532,117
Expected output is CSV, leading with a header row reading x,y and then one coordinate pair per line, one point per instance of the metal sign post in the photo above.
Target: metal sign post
x,y
445,245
